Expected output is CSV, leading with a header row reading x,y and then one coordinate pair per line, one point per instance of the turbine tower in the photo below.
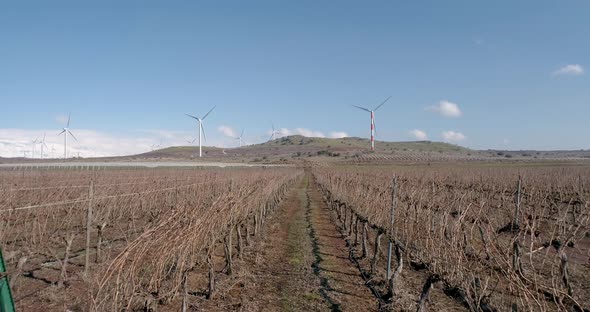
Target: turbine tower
x,y
66,131
372,120
35,142
43,145
201,129
240,138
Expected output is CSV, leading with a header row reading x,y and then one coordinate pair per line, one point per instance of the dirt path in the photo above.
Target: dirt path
x,y
299,263
341,284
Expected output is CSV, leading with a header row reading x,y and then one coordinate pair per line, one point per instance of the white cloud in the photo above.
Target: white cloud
x,y
419,134
302,131
571,69
227,131
453,136
338,134
91,143
309,133
446,109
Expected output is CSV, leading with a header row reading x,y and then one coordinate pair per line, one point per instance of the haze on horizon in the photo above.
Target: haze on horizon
x,y
501,75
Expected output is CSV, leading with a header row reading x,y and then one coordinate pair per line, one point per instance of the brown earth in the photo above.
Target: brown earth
x,y
300,263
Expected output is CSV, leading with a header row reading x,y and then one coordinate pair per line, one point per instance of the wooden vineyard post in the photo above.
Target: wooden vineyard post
x,y
516,263
227,246
88,227
211,289
364,240
356,231
184,307
515,222
392,218
239,236
351,223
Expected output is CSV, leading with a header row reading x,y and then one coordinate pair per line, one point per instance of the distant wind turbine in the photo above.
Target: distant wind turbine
x,y
274,133
35,142
189,141
372,120
43,144
240,138
201,129
65,132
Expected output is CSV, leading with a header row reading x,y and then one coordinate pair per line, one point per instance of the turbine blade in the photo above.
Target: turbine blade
x,y
362,108
241,135
62,132
191,116
208,113
69,115
203,130
387,99
70,132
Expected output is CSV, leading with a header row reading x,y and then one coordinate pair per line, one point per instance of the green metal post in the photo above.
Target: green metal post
x,y
6,301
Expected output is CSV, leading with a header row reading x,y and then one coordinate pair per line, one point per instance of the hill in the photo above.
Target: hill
x,y
297,148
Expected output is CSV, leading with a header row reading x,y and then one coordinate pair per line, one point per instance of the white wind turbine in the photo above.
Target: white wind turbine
x,y
65,132
35,142
201,129
42,142
274,133
240,138
372,120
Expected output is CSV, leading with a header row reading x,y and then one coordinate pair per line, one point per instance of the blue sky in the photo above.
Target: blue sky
x,y
129,70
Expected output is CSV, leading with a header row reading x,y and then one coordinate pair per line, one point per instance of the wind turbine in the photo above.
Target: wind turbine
x,y
43,145
372,120
240,138
35,142
65,132
201,129
189,141
274,133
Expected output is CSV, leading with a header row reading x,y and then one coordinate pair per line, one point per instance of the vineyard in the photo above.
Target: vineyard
x,y
465,238
495,239
127,239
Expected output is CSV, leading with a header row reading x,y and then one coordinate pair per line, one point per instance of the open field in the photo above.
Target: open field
x,y
464,238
